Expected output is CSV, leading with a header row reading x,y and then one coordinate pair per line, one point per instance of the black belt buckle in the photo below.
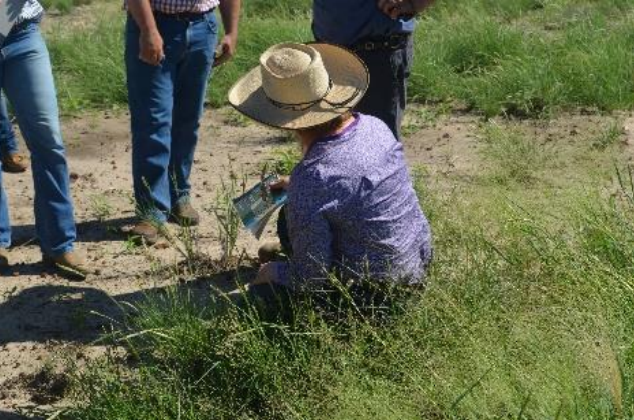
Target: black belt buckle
x,y
396,42
389,43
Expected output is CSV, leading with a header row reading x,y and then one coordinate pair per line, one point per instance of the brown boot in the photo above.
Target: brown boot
x,y
4,258
270,251
14,163
145,232
185,215
70,265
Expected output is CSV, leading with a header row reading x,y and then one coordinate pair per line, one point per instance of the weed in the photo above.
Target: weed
x,y
609,136
100,207
235,119
284,159
226,215
512,156
419,118
131,246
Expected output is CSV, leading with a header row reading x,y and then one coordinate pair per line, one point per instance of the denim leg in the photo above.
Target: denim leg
x,y
150,97
5,220
282,231
27,80
8,141
190,88
386,97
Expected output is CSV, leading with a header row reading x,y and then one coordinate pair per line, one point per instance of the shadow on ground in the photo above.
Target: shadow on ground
x,y
88,231
5,415
83,313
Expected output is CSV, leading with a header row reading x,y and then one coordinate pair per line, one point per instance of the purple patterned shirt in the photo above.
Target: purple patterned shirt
x,y
352,207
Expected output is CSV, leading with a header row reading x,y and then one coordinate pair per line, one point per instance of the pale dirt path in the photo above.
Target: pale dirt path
x,y
45,318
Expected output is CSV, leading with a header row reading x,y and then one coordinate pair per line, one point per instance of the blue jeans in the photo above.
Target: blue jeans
x,y
27,80
8,142
386,97
166,103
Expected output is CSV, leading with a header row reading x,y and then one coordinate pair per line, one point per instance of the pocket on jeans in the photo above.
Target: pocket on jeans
x,y
212,23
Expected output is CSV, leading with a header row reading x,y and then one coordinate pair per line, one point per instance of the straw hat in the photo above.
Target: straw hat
x,y
301,85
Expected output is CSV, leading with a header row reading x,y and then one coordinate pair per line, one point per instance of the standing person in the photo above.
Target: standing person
x,y
170,47
27,80
381,34
12,161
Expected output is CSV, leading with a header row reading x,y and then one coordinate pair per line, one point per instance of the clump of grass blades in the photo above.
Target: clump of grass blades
x,y
511,154
531,319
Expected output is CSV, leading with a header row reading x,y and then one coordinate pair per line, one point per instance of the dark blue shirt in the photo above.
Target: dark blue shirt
x,y
345,22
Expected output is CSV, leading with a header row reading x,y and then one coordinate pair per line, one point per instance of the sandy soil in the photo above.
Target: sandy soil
x,y
46,319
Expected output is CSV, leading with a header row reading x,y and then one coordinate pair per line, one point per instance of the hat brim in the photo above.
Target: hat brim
x,y
349,77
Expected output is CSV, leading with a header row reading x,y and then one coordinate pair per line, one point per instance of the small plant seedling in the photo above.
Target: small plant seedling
x,y
419,118
610,135
235,119
227,216
283,160
512,155
131,245
100,208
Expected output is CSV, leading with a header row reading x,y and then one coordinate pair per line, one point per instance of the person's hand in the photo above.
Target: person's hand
x,y
397,8
151,48
226,50
266,275
281,184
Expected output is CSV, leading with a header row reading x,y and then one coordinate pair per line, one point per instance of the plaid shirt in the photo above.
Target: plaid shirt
x,y
31,10
181,6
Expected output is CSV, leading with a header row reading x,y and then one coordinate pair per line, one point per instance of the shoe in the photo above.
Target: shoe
x,y
270,251
185,215
69,264
14,163
145,232
4,258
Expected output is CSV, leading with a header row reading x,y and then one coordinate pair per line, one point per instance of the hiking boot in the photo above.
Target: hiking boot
x,y
145,232
70,265
4,258
270,251
14,163
184,214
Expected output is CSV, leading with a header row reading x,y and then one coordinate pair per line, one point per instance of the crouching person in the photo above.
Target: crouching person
x,y
352,209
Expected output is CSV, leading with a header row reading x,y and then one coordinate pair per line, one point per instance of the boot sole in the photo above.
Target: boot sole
x,y
67,271
184,222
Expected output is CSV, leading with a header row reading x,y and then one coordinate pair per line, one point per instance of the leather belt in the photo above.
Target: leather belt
x,y
184,16
389,43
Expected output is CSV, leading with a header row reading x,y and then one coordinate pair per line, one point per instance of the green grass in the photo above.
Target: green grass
x,y
511,155
63,6
517,57
529,314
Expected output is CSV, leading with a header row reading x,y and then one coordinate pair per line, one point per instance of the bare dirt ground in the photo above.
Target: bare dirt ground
x,y
46,319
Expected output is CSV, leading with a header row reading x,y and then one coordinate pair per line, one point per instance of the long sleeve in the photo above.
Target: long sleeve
x,y
311,239
309,230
